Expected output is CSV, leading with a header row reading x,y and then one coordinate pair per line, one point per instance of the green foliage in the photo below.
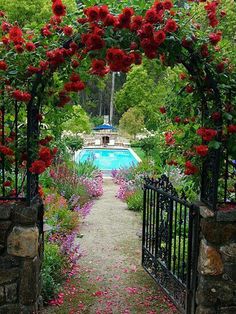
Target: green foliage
x,y
32,13
52,271
97,120
132,121
86,168
77,122
74,143
62,219
135,201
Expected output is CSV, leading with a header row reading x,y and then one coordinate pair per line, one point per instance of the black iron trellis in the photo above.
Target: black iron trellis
x,y
170,241
20,133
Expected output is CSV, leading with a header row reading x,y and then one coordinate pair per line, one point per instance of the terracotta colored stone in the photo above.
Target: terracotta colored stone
x,y
23,241
210,262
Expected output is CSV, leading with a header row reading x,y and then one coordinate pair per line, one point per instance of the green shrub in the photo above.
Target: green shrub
x,y
86,168
135,201
65,220
52,271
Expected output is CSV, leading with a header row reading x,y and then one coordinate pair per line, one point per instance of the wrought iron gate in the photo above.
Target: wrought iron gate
x,y
170,241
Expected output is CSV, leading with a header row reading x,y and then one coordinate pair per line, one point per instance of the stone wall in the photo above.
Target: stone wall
x,y
21,249
216,292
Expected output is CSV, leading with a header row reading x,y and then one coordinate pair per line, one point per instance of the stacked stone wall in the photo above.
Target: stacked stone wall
x,y
216,292
21,250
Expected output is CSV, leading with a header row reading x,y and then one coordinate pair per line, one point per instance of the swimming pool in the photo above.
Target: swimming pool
x,y
109,159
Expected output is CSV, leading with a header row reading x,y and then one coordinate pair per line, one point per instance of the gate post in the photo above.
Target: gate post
x,y
21,249
217,262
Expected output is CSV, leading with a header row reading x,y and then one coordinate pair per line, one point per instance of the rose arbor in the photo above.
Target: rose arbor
x,y
43,70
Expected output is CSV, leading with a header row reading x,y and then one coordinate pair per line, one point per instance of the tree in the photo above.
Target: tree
x,y
31,13
132,121
78,122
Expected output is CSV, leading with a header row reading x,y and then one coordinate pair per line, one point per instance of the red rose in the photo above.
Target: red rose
x,y
204,51
202,150
15,33
189,89
110,20
182,76
220,67
92,13
159,37
215,37
3,65
68,30
169,138
137,22
19,48
190,168
223,13
128,12
99,67
38,167
30,46
74,77
58,8
216,116
45,154
75,64
158,6
162,110
207,134
151,16
103,12
167,4
33,69
6,150
177,119
21,96
232,128
171,26
7,183
172,163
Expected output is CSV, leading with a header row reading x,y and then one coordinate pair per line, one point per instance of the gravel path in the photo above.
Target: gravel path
x,y
110,278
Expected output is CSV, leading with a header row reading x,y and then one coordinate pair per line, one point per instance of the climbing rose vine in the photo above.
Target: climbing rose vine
x,y
99,42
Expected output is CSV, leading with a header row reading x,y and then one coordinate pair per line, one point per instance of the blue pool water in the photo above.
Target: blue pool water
x,y
108,159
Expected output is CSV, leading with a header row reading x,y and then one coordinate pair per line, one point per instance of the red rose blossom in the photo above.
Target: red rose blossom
x,y
30,46
3,65
202,150
6,150
159,37
216,116
177,119
206,134
215,37
171,26
7,183
162,110
190,169
232,128
21,96
58,8
38,167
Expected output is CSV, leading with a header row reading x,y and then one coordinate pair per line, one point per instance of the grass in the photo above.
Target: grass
x,y
139,152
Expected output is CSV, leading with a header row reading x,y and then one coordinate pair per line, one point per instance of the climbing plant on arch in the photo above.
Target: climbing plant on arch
x,y
46,69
